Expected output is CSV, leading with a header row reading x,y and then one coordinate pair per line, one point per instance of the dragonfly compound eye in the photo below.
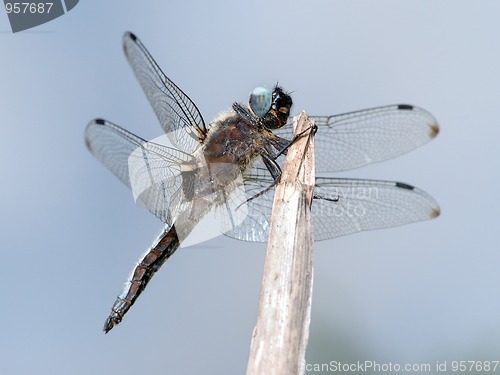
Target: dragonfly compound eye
x,y
260,101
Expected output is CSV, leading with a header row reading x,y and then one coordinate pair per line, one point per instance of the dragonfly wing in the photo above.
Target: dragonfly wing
x,y
352,140
345,206
254,225
152,171
341,207
179,117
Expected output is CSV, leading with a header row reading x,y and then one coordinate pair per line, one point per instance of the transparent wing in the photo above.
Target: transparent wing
x,y
355,139
366,205
341,207
254,226
179,117
152,171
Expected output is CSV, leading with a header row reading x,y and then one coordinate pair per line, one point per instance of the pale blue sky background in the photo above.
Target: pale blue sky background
x,y
70,232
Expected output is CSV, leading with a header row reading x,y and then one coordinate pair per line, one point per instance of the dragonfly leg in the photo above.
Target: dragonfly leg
x,y
312,129
335,199
273,167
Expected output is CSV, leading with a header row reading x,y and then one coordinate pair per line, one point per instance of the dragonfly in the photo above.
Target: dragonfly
x,y
234,162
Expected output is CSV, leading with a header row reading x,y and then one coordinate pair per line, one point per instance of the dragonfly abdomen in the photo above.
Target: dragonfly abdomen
x,y
164,246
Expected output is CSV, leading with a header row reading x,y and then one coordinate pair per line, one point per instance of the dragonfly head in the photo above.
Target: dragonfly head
x,y
272,108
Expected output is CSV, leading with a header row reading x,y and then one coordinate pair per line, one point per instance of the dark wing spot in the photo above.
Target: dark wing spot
x,y
132,36
404,186
405,107
435,213
128,35
433,130
88,144
99,121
